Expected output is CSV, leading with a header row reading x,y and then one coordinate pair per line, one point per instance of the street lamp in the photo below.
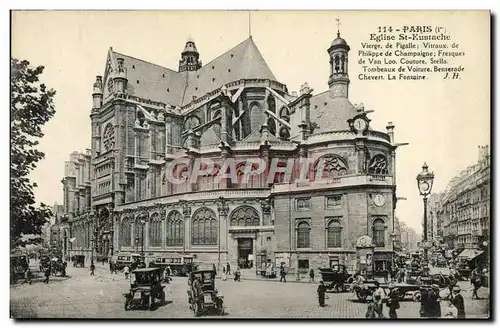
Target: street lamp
x,y
425,180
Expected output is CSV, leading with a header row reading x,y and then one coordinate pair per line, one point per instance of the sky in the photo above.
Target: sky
x,y
443,121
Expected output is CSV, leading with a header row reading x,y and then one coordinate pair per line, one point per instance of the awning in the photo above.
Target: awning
x,y
470,253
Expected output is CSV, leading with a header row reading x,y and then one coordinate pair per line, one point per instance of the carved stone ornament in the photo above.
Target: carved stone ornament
x,y
186,210
266,206
364,241
378,165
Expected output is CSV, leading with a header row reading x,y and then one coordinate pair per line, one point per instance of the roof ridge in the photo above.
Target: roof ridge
x,y
144,61
225,52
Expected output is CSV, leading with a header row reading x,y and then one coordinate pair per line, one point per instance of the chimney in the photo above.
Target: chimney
x,y
390,131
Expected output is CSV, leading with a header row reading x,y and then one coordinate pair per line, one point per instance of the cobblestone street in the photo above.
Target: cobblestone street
x,y
101,296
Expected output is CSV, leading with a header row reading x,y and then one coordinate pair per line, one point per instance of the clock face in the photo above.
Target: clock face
x,y
424,186
379,200
360,124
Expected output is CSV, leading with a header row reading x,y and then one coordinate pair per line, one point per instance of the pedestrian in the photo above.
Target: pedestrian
x,y
458,302
378,298
223,276
432,308
214,268
110,266
63,269
228,268
92,268
321,293
282,273
237,275
311,275
47,274
476,283
126,271
223,269
393,301
28,275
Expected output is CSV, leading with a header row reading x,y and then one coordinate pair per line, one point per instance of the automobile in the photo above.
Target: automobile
x,y
127,259
19,264
145,289
202,295
336,278
366,289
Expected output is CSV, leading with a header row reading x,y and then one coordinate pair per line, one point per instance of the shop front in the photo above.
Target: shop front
x,y
382,263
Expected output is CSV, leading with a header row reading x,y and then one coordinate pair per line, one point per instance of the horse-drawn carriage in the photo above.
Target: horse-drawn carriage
x,y
202,295
367,288
145,288
336,278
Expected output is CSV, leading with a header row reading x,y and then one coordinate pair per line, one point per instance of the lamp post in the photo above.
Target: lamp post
x,y
142,238
425,180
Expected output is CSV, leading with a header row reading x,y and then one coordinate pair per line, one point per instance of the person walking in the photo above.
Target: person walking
x,y
237,275
282,273
476,283
393,301
321,293
429,304
92,268
311,275
458,301
126,271
223,275
378,298
47,274
28,275
228,268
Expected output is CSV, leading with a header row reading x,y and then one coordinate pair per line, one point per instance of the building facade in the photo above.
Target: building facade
x,y
151,124
464,208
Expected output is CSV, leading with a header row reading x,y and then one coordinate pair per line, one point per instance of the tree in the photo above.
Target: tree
x,y
31,106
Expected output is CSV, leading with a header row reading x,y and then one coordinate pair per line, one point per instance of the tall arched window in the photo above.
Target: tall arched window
x,y
271,125
303,235
334,234
175,229
125,232
155,230
204,230
279,177
285,114
379,233
245,216
378,165
271,104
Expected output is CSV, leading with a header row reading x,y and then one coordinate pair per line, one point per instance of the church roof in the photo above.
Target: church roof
x,y
151,81
331,114
241,62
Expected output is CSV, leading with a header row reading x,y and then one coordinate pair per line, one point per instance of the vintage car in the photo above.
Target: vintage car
x,y
336,278
127,259
366,289
202,295
145,288
19,264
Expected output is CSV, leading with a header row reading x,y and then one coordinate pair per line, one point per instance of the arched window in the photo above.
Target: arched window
x,y
271,104
330,166
303,235
245,216
378,165
334,234
155,230
284,134
279,177
204,230
252,180
208,181
191,122
379,233
175,229
272,126
139,233
125,232
285,114
109,137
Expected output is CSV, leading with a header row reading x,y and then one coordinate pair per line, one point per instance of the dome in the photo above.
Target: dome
x,y
339,41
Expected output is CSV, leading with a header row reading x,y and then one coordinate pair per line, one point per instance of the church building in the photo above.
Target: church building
x,y
145,117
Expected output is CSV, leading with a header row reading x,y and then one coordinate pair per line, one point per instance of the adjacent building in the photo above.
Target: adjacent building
x,y
464,208
149,121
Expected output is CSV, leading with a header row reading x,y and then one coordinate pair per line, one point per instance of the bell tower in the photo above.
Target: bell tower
x,y
339,77
190,58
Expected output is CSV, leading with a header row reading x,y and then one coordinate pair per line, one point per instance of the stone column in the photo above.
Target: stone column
x,y
223,209
186,212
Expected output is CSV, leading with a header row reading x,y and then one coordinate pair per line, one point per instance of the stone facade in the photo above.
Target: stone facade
x,y
146,119
464,208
